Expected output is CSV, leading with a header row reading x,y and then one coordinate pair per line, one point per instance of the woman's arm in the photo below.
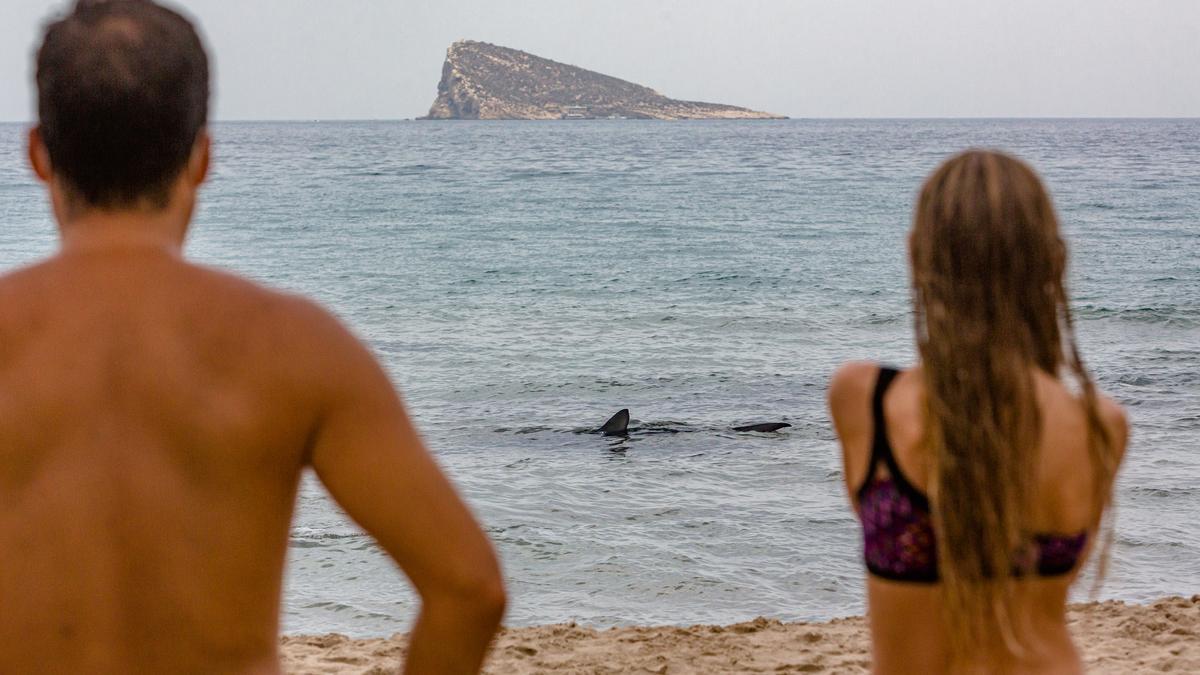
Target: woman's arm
x,y
850,409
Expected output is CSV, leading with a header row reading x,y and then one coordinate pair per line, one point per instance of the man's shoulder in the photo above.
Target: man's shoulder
x,y
271,304
18,279
288,324
296,343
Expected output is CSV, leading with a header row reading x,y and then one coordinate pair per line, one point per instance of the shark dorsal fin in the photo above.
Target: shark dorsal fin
x,y
617,425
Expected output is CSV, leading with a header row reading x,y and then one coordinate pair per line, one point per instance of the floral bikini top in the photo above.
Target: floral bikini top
x,y
898,536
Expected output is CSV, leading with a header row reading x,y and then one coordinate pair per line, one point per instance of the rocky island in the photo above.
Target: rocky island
x,y
482,81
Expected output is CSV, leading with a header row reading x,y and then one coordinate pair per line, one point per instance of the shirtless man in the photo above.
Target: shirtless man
x,y
155,416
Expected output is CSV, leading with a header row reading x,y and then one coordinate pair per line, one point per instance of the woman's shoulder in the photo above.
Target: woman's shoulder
x,y
850,389
1115,421
1066,405
854,381
854,375
850,384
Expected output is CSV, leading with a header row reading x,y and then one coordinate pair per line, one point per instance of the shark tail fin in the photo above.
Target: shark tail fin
x,y
764,428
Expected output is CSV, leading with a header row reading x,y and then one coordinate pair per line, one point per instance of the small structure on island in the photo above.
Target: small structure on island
x,y
576,112
482,81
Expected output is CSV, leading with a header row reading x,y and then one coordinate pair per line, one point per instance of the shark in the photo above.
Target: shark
x,y
618,425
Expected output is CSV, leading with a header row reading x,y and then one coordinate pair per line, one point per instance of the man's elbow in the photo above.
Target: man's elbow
x,y
489,597
479,597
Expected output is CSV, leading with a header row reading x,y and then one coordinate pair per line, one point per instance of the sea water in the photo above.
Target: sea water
x,y
524,281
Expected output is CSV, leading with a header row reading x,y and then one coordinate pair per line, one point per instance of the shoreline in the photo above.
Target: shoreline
x,y
1113,636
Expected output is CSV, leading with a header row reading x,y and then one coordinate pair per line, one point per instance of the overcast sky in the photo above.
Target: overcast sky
x,y
381,59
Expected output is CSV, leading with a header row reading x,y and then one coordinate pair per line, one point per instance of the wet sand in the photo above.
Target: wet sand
x,y
1115,638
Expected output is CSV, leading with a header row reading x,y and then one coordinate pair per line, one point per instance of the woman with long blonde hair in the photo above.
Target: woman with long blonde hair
x,y
982,475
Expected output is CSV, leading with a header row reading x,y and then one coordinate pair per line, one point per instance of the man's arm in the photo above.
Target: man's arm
x,y
370,458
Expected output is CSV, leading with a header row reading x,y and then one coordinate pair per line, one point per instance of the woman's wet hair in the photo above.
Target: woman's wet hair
x,y
123,92
990,301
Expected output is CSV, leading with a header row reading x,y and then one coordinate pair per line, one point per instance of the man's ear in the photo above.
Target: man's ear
x,y
39,156
198,163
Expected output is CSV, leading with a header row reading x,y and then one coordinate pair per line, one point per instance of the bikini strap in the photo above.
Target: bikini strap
x,y
879,445
881,450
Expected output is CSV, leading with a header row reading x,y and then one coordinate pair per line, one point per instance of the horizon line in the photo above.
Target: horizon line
x,y
915,118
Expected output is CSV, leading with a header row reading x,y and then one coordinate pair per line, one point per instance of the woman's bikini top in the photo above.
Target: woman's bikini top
x,y
898,534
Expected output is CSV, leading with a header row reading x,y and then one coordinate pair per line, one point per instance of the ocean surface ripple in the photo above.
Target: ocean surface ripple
x,y
522,281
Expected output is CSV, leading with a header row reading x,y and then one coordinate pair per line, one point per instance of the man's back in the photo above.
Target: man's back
x,y
155,416
155,430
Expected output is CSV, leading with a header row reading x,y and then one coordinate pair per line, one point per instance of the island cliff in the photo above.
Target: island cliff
x,y
481,81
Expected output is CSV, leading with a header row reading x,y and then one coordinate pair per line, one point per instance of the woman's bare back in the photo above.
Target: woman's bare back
x,y
905,617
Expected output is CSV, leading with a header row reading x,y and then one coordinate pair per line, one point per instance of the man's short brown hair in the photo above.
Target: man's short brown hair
x,y
123,92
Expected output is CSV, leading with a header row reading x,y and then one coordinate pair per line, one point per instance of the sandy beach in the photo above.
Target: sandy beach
x,y
1115,638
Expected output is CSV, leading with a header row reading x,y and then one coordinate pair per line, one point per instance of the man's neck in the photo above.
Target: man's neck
x,y
112,231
